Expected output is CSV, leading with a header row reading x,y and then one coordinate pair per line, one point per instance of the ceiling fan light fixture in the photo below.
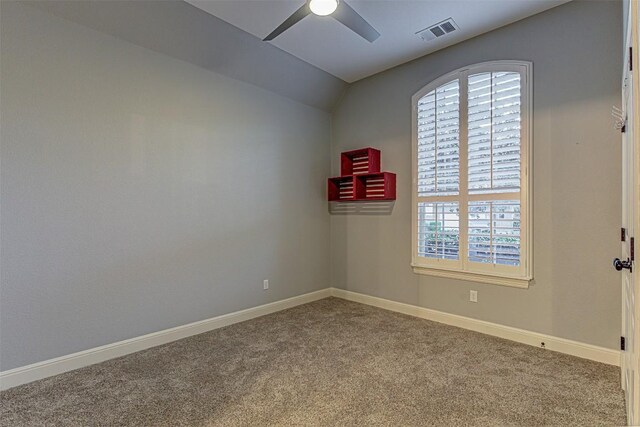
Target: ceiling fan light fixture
x,y
323,7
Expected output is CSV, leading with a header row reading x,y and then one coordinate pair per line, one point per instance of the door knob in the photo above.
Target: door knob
x,y
619,265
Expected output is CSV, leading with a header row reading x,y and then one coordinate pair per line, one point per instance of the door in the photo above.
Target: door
x,y
630,369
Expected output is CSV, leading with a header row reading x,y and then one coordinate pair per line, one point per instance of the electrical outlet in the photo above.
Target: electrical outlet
x,y
473,296
265,284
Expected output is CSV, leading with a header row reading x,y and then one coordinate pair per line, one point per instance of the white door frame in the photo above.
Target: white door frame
x,y
630,358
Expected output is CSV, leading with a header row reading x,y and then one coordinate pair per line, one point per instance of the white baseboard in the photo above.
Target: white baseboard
x,y
574,348
59,365
47,368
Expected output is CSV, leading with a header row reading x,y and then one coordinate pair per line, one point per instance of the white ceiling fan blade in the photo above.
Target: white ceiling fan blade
x,y
356,23
289,22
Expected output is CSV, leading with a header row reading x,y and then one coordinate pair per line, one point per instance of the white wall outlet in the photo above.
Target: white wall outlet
x,y
473,296
265,284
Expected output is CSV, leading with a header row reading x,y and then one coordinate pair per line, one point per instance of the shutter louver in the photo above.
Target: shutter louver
x,y
494,132
438,141
438,230
494,232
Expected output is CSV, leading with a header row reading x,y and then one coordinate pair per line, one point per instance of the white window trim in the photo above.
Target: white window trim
x,y
463,269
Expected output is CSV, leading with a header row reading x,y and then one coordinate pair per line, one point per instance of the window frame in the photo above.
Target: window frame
x,y
462,268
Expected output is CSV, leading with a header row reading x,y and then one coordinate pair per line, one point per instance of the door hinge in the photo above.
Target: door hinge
x,y
632,249
623,234
622,343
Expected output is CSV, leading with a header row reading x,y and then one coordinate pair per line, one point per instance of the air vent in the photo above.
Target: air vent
x,y
447,26
437,31
440,29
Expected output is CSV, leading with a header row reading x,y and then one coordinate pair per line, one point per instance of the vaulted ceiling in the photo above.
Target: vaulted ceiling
x,y
177,29
330,46
309,63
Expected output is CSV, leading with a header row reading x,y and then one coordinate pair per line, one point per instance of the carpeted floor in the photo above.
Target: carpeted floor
x,y
328,363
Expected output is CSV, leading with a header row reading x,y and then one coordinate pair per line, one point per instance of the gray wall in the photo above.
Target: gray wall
x,y
576,69
140,192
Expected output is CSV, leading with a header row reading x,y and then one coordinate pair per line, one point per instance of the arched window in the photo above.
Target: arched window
x,y
471,174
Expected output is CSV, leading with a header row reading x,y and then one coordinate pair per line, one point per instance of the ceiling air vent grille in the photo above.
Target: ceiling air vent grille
x,y
440,29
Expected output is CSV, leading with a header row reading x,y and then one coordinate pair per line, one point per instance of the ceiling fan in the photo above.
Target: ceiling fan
x,y
337,9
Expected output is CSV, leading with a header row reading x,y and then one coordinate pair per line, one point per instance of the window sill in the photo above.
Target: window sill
x,y
515,282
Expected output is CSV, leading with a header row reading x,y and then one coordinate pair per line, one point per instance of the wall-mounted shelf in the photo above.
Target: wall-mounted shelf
x,y
341,188
376,186
361,179
361,161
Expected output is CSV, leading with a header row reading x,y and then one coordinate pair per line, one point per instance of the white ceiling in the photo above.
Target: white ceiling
x,y
330,46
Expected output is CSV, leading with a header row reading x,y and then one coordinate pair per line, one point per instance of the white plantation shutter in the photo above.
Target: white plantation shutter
x,y
494,232
439,230
438,145
494,132
439,170
471,198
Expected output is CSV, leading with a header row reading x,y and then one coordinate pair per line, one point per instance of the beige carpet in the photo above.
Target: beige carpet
x,y
328,363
